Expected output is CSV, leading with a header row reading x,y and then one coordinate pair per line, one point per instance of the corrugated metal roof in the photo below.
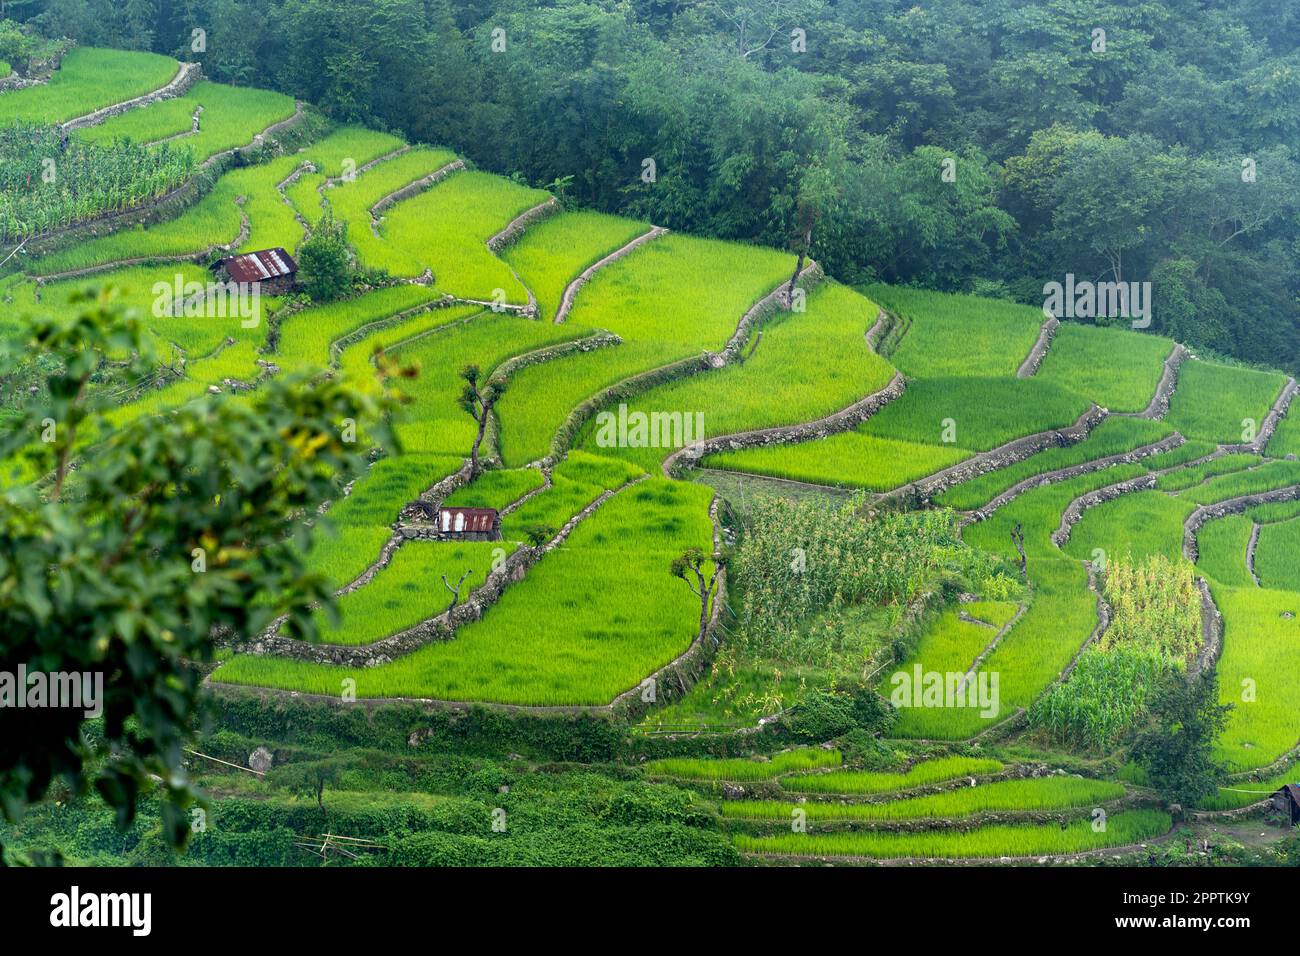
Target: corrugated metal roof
x,y
467,520
260,266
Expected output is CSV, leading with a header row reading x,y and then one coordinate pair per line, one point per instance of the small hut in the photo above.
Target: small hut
x,y
1287,802
470,524
272,269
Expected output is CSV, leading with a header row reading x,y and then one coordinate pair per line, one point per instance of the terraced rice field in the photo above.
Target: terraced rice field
x,y
1024,796
597,614
740,768
229,117
1122,829
1220,403
88,79
859,782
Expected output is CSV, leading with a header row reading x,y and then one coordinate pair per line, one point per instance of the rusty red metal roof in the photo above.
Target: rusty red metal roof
x,y
463,520
260,266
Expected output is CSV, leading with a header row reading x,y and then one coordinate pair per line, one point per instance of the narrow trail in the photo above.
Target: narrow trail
x,y
1029,367
572,289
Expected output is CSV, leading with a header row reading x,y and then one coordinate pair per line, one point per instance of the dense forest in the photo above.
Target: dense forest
x,y
989,147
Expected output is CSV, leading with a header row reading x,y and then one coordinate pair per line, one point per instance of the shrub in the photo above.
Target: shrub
x,y
325,261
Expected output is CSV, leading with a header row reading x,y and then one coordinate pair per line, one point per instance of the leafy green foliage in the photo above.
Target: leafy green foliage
x,y
1177,749
174,528
325,260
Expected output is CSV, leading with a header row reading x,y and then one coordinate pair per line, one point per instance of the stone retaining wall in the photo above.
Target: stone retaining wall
x,y
786,434
549,353
1029,367
1073,471
764,308
1074,511
1211,630
1271,420
1158,407
412,189
186,76
929,488
515,228
1231,506
571,290
439,628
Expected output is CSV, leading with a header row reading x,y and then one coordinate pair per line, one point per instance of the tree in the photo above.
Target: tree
x,y
325,260
539,534
1177,749
689,566
477,400
454,591
175,527
310,778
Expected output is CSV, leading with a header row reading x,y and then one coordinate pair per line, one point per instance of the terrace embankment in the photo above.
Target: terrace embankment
x,y
1158,407
1029,367
409,191
1275,414
926,489
643,381
1072,471
842,420
153,211
440,627
1074,511
571,290
186,76
1251,547
1204,513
